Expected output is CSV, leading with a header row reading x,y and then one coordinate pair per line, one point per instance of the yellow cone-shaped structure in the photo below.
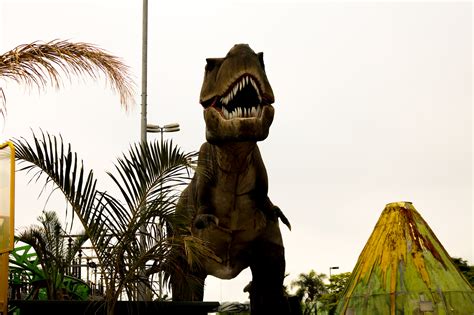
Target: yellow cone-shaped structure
x,y
404,269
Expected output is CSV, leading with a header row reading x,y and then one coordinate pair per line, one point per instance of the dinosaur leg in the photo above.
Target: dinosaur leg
x,y
268,272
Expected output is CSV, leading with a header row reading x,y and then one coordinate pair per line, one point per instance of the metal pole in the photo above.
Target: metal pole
x,y
142,289
160,289
161,130
144,70
332,268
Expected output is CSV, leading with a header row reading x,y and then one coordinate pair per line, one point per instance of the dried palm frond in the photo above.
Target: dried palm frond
x,y
40,64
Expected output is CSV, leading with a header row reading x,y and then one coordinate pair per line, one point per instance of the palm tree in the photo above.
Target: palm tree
x,y
335,289
149,178
41,64
310,287
54,255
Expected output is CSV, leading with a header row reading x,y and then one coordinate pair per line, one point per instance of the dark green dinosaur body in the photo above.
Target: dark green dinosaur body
x,y
227,201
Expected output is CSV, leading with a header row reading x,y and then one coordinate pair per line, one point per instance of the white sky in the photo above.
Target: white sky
x,y
373,105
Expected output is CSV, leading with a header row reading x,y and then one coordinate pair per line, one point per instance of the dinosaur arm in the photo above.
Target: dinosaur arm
x,y
205,179
272,211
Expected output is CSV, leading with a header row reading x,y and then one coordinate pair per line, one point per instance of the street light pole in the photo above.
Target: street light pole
x,y
142,288
174,127
144,72
332,268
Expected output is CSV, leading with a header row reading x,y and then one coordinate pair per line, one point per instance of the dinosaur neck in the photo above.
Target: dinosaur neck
x,y
234,156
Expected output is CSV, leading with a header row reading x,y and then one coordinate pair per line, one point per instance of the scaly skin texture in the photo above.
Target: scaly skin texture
x,y
227,202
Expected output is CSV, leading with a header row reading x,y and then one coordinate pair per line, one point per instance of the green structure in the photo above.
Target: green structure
x,y
404,269
26,275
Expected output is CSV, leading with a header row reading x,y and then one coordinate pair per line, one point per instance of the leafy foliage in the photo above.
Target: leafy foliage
x,y
336,287
315,295
127,234
465,269
54,255
309,288
37,64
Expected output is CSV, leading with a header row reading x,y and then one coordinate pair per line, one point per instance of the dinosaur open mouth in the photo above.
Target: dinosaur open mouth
x,y
243,99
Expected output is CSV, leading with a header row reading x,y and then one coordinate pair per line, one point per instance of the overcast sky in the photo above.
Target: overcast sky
x,y
373,104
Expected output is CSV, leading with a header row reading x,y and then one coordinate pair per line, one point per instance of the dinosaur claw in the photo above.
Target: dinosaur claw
x,y
282,217
203,221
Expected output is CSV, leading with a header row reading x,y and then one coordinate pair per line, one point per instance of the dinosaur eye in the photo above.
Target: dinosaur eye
x,y
260,58
210,63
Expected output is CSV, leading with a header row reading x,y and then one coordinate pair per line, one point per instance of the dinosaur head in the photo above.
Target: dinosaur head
x,y
237,97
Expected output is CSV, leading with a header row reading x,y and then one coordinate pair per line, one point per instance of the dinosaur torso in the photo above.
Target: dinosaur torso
x,y
232,205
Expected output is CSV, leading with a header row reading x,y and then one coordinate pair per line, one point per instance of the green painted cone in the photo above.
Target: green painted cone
x,y
404,269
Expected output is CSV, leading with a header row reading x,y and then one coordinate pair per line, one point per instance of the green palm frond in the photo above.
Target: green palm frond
x,y
150,172
39,64
35,237
48,158
149,178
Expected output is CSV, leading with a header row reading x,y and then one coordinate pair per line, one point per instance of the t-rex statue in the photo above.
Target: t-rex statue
x,y
227,202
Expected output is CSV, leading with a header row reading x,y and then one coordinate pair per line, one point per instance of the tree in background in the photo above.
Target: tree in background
x,y
54,255
336,287
465,269
310,288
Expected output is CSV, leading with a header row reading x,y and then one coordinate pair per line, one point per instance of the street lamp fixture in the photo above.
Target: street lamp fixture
x,y
332,268
166,128
162,129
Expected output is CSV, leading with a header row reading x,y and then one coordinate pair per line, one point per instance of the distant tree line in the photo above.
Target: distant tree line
x,y
316,295
466,270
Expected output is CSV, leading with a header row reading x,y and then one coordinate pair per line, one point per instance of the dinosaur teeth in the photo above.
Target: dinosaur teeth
x,y
256,89
253,112
240,85
241,112
253,84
